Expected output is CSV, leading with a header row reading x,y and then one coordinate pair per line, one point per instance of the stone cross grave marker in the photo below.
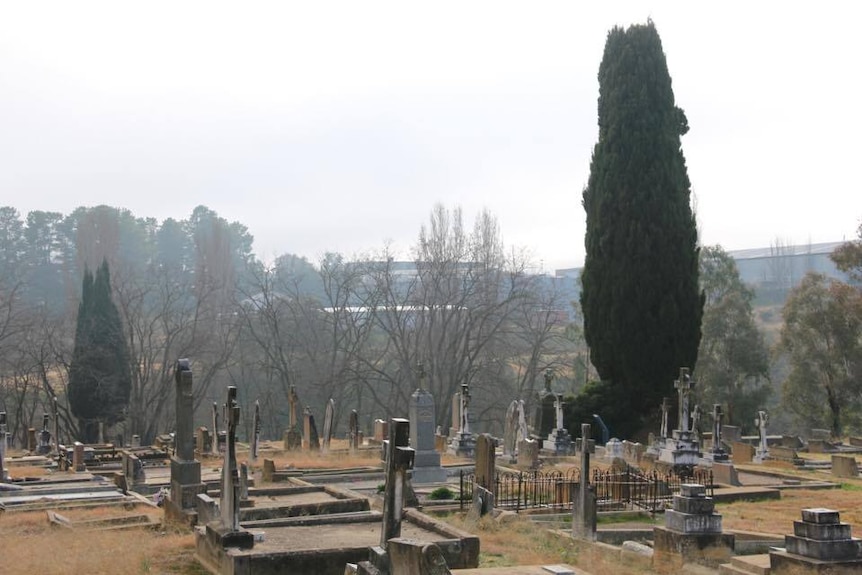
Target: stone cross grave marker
x,y
214,445
716,428
328,416
255,434
683,386
558,410
665,409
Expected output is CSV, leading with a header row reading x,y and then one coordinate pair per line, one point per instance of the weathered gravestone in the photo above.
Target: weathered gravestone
x,y
485,475
559,441
463,442
510,430
185,471
214,442
226,531
328,418
44,446
762,452
426,466
844,466
354,436
4,477
203,441
292,437
255,432
717,453
399,460
528,454
310,439
584,506
820,544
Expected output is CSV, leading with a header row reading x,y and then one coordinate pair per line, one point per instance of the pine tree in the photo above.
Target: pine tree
x,y
641,303
99,376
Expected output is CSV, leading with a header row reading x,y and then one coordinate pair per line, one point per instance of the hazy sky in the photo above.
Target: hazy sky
x,y
337,126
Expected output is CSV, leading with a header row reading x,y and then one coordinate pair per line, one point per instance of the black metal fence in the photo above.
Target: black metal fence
x,y
614,490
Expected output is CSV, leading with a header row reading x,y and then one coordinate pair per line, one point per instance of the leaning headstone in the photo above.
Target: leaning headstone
x,y
185,471
692,532
426,466
820,543
226,531
328,417
844,466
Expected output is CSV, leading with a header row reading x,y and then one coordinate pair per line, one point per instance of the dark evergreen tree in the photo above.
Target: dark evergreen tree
x,y
641,302
99,376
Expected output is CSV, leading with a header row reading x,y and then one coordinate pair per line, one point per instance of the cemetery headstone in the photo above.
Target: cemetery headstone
x,y
310,439
510,430
136,441
455,425
485,476
55,407
559,441
426,465
214,445
255,432
4,477
584,506
821,543
226,530
381,430
543,415
292,437
665,410
464,442
718,454
762,452
696,414
185,471
328,416
78,457
203,441
353,434
31,440
731,433
682,450
692,531
528,453
44,437
844,466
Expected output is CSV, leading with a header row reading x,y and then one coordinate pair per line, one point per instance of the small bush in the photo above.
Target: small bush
x,y
441,493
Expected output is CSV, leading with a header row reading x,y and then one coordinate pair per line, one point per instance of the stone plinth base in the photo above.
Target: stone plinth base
x,y
185,496
673,548
559,442
219,535
784,563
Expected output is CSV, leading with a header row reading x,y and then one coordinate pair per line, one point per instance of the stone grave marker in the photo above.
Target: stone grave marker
x,y
510,431
78,457
292,437
226,530
426,465
44,446
463,442
665,410
381,430
3,474
584,506
559,441
718,454
310,439
844,466
354,436
255,433
214,442
55,408
820,543
528,453
762,452
328,417
731,433
203,441
485,475
185,471
31,440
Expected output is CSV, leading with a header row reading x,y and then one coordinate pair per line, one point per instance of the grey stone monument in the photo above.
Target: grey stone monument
x,y
717,453
426,465
4,476
214,445
328,417
255,433
353,433
463,443
584,505
310,439
665,409
185,471
226,531
292,437
44,446
559,441
510,431
399,460
682,450
486,476
821,543
761,454
55,406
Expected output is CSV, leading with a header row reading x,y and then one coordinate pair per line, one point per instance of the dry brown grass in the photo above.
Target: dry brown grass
x,y
29,544
24,471
778,516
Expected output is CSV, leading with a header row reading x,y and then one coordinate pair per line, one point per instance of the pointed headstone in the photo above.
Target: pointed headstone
x,y
328,417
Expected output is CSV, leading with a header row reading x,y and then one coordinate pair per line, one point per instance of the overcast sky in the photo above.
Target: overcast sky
x,y
337,126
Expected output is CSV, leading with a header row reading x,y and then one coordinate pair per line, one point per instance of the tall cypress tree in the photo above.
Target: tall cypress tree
x,y
641,302
99,376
